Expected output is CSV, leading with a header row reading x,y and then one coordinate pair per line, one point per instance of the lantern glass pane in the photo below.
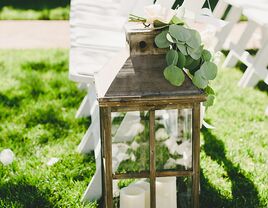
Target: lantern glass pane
x,y
130,142
173,133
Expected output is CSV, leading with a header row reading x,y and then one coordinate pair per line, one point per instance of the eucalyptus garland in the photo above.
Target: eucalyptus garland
x,y
186,53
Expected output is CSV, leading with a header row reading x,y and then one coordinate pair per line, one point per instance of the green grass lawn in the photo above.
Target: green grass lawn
x,y
37,108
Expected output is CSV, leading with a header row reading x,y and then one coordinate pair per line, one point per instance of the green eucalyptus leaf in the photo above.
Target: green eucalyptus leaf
x,y
177,21
182,48
174,75
179,32
189,61
181,60
172,57
161,40
209,70
195,53
209,101
206,55
170,39
194,66
194,40
199,80
209,90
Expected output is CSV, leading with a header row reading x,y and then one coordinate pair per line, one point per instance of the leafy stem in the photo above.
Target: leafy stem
x,y
186,53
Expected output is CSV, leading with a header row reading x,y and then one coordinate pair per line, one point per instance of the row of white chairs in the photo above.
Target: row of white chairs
x,y
257,15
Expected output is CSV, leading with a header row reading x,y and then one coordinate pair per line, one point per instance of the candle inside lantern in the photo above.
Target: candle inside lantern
x,y
146,187
132,197
166,193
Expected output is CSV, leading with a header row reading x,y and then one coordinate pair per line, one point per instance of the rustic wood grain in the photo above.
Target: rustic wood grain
x,y
196,153
152,158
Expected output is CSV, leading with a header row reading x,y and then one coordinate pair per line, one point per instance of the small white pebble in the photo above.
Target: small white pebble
x,y
53,161
7,156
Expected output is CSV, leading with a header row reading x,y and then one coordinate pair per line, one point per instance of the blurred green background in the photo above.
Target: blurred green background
x,y
34,4
43,9
34,9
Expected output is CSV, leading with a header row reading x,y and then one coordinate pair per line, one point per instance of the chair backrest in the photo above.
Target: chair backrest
x,y
194,6
96,33
166,3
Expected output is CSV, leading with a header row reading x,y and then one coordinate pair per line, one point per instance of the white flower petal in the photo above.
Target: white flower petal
x,y
157,12
53,161
7,156
152,10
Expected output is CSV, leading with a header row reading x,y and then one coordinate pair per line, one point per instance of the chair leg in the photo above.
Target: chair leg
x,y
94,188
88,141
171,122
88,101
258,70
249,78
241,45
220,9
83,110
129,127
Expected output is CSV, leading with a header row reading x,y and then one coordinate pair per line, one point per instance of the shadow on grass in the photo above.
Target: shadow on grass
x,y
45,65
10,102
22,195
244,192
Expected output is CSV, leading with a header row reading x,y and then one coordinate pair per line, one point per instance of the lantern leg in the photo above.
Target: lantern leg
x,y
106,138
152,159
196,154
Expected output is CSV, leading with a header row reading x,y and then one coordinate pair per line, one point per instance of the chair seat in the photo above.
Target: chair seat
x,y
100,37
85,19
87,61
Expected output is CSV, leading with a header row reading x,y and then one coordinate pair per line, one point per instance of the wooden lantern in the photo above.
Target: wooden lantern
x,y
141,86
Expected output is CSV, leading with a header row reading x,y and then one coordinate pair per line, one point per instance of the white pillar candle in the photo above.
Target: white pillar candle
x,y
132,197
146,187
166,192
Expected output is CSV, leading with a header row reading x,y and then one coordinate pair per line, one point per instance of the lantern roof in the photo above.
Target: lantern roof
x,y
141,78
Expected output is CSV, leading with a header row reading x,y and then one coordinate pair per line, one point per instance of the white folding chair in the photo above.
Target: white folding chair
x,y
256,70
233,17
92,45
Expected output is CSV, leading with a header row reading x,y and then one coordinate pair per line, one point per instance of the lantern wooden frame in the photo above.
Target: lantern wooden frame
x,y
148,63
